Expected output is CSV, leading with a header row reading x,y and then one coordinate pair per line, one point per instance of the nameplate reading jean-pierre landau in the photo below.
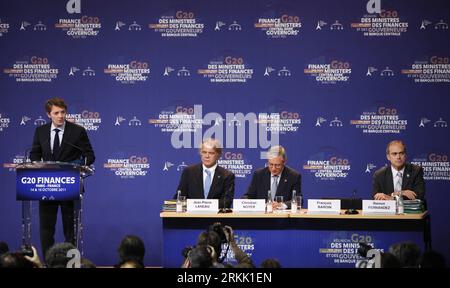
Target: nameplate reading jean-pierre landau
x,y
378,207
319,206
249,205
202,205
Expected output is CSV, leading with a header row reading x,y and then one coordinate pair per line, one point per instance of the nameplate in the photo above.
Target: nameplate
x,y
202,205
379,207
319,206
249,205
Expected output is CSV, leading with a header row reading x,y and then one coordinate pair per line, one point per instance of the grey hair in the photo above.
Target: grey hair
x,y
214,143
276,151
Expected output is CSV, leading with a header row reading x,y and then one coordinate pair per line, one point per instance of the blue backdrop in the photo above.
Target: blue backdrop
x,y
333,81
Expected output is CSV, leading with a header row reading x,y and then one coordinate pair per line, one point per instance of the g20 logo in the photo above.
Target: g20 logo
x,y
388,13
361,238
387,111
138,160
335,64
184,15
233,156
438,60
90,20
184,110
39,60
433,157
338,161
289,115
290,19
234,60
87,114
138,65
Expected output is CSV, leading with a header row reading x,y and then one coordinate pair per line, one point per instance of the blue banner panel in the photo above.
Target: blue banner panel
x,y
294,242
48,184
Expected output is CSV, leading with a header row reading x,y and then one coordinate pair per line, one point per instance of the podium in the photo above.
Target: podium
x,y
51,181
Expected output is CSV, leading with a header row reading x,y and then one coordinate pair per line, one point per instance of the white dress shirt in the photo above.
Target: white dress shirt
x,y
53,133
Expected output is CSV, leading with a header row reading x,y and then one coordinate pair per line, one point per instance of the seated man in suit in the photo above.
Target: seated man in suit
x,y
277,178
399,177
207,180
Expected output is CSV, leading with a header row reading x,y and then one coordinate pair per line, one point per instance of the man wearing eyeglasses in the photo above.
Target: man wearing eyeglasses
x,y
207,180
277,178
399,178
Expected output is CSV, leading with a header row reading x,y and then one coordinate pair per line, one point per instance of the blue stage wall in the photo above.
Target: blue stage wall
x,y
333,81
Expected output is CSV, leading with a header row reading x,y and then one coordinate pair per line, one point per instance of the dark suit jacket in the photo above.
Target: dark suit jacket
x,y
260,185
412,180
74,141
222,186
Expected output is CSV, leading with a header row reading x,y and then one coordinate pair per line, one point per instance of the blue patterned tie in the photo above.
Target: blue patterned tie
x,y
207,184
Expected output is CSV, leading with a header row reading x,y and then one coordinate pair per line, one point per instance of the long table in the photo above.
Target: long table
x,y
299,239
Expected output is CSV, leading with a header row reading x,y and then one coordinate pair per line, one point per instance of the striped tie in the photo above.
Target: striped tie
x,y
273,188
398,183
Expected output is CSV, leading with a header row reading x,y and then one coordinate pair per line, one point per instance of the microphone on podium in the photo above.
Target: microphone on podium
x,y
80,149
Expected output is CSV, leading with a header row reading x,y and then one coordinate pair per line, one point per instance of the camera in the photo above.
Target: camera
x,y
186,250
220,230
27,251
363,249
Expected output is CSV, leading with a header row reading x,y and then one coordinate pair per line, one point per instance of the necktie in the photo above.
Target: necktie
x,y
207,184
273,188
398,183
56,144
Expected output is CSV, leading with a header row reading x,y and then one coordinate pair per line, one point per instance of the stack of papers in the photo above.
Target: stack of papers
x,y
169,206
413,206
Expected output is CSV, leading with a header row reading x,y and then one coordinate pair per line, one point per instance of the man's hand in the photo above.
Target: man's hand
x,y
35,259
278,206
229,233
408,194
186,263
382,196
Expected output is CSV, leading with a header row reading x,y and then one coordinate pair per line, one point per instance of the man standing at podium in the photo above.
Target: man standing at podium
x,y
399,177
61,141
207,180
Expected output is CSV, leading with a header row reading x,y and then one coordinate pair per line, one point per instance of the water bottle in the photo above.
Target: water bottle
x,y
269,208
400,204
179,202
294,203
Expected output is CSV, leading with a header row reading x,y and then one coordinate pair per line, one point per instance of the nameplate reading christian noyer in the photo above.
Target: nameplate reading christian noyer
x,y
379,207
202,205
319,206
249,205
